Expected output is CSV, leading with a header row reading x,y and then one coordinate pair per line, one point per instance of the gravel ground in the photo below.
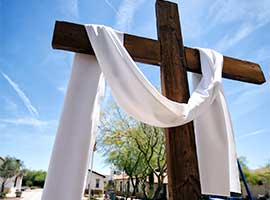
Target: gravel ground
x,y
27,195
32,194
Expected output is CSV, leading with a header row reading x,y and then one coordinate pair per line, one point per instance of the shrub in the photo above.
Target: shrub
x,y
2,195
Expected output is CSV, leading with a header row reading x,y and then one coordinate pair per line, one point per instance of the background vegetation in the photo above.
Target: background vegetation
x,y
34,178
258,180
136,149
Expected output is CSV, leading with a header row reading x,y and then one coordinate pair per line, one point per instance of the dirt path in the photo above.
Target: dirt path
x,y
32,194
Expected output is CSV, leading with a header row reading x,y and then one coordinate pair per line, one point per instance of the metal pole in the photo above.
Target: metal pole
x,y
90,176
244,180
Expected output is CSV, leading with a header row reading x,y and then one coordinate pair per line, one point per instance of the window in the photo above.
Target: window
x,y
97,183
121,186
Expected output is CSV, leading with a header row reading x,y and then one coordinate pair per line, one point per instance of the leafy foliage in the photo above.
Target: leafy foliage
x,y
135,148
257,178
34,178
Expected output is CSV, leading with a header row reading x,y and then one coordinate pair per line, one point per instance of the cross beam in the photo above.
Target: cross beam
x,y
181,153
174,60
73,37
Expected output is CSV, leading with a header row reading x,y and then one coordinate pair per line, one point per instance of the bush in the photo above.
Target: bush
x,y
2,195
34,178
29,183
34,187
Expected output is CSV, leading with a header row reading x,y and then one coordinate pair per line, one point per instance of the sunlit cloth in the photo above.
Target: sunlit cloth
x,y
140,99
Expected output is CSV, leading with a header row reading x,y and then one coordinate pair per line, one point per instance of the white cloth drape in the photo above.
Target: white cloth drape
x,y
139,98
75,135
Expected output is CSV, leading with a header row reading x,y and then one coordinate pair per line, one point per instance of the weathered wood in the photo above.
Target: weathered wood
x,y
182,164
233,68
143,49
73,37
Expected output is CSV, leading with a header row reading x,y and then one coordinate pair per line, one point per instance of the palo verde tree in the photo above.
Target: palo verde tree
x,y
150,142
135,148
118,148
9,168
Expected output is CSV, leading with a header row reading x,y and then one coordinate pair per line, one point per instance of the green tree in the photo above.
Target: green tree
x,y
258,177
34,178
251,178
151,143
135,148
39,178
118,147
11,167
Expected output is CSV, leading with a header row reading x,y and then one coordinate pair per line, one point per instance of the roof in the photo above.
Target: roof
x,y
97,173
125,177
120,176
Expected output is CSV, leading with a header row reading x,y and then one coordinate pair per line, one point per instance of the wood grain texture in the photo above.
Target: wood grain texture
x,y
182,164
73,37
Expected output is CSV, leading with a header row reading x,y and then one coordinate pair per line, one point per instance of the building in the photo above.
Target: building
x,y
13,184
123,185
96,182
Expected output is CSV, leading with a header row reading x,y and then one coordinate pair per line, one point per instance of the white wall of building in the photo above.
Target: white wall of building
x,y
96,181
11,185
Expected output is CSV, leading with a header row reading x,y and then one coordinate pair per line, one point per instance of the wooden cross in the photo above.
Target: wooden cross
x,y
174,60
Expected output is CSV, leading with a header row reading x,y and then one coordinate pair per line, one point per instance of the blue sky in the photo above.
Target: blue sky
x,y
33,76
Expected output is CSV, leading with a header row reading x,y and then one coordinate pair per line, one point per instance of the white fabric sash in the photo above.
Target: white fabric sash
x,y
140,99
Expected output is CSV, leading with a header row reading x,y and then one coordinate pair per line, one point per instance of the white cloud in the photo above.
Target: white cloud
x,y
232,39
69,8
32,110
256,100
111,6
251,92
253,133
29,121
62,89
251,16
73,6
226,11
126,13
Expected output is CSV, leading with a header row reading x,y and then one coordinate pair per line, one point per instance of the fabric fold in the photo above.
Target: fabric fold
x,y
75,136
140,99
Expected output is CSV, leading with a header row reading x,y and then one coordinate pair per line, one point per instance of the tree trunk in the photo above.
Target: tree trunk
x,y
137,185
151,181
133,187
157,192
143,187
3,186
159,188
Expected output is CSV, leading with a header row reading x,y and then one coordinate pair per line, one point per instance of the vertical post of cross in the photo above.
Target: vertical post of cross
x,y
183,173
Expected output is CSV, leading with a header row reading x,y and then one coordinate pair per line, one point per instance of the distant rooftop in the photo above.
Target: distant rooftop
x,y
125,177
97,173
